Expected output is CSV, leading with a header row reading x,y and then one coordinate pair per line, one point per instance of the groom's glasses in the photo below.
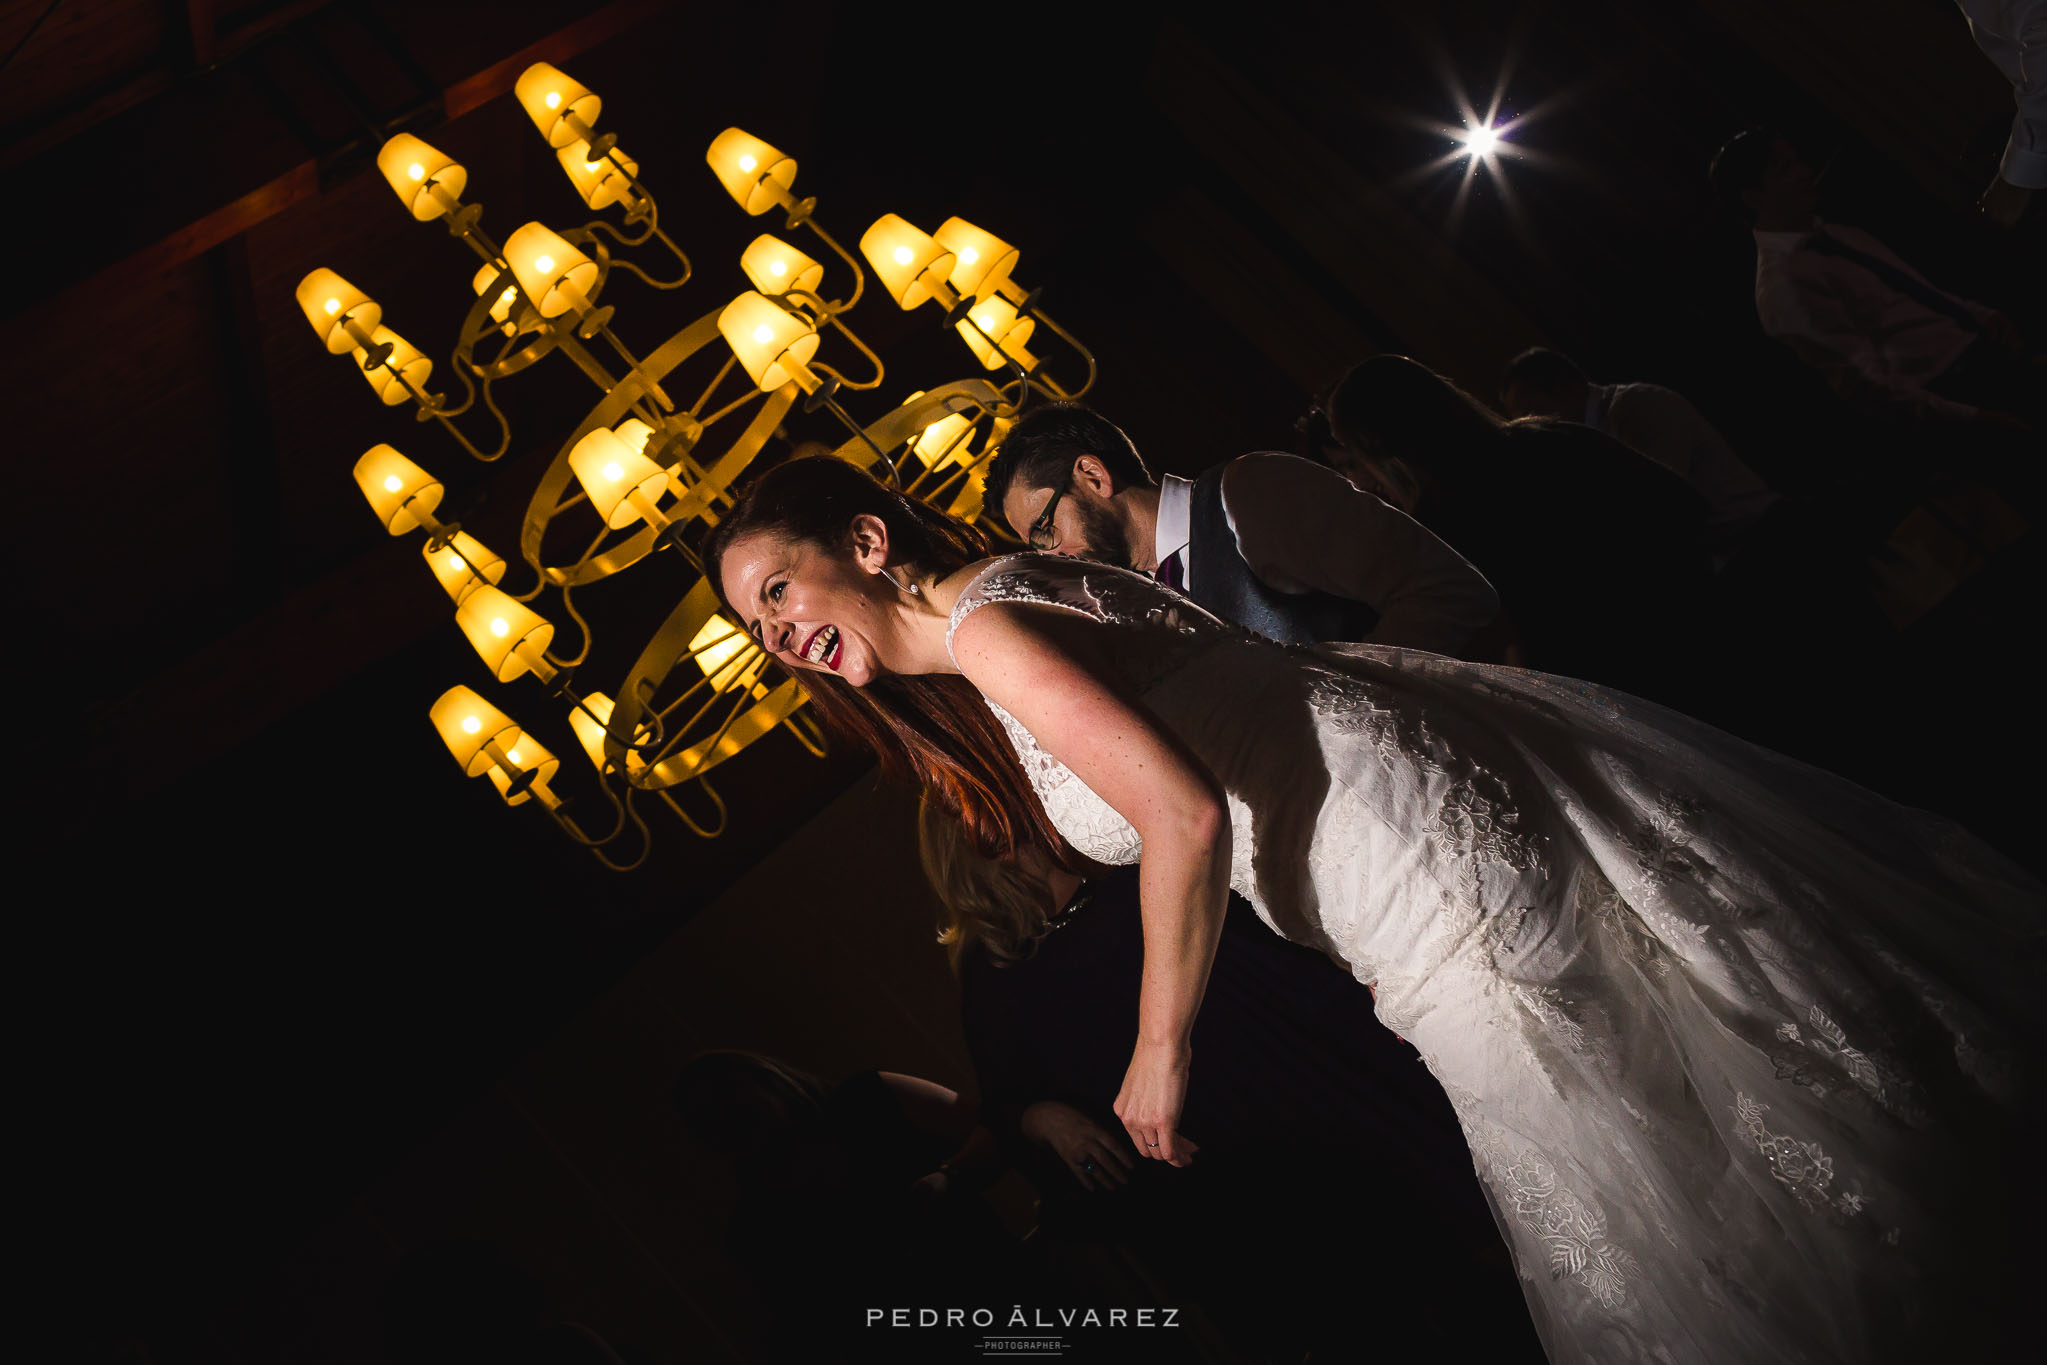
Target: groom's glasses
x,y
1041,530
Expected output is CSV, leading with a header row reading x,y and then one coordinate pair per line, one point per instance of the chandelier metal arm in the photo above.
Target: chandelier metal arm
x,y
731,362
621,263
626,814
859,345
434,406
635,371
1068,338
468,391
735,405
801,215
569,606
684,816
823,399
808,733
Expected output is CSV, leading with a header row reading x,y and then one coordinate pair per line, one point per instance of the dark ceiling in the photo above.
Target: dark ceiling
x,y
285,935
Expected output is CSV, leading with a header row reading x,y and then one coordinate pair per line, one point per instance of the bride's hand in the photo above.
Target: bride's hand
x,y
1154,1091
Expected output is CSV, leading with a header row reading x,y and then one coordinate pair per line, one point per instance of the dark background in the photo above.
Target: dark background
x,y
287,968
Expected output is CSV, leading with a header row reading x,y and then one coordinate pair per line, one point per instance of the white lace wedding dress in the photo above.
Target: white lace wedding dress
x,y
1721,1028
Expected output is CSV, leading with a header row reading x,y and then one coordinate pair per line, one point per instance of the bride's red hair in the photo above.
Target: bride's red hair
x,y
933,730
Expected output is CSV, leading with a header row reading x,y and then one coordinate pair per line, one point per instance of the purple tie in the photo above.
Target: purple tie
x,y
1169,570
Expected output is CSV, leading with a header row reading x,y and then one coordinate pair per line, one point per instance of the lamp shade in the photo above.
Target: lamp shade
x,y
552,273
775,267
590,734
727,655
905,258
404,360
755,174
996,317
600,182
497,625
396,487
549,97
507,297
463,565
635,433
945,438
329,301
981,260
610,472
769,340
528,755
414,168
466,722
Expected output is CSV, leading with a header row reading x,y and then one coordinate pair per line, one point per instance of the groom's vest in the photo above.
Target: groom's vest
x,y
1223,582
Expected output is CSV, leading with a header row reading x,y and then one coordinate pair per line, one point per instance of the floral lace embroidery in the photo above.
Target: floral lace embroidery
x,y
1826,1051
1479,827
1086,821
1349,706
1830,1041
1661,847
1598,898
1548,1004
1801,1167
1572,1230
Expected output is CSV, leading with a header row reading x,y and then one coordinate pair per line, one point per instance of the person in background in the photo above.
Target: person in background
x,y
842,1191
1297,1078
2013,35
1599,555
1267,540
1654,421
1884,337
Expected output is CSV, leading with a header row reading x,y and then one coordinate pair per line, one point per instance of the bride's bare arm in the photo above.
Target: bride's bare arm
x,y
1047,669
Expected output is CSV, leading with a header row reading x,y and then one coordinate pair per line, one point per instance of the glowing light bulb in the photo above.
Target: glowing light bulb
x,y
544,263
513,754
554,99
986,321
904,255
614,471
747,163
499,627
416,171
333,307
777,268
764,334
968,255
392,483
454,563
470,725
511,292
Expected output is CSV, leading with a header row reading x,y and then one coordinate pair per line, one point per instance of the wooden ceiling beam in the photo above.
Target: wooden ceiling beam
x,y
237,208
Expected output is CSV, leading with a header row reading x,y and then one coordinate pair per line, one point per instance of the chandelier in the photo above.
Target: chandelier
x,y
643,473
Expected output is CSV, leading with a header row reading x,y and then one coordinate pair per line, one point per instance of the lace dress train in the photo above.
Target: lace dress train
x,y
1739,1048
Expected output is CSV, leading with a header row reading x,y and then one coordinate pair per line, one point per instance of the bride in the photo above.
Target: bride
x,y
1738,1047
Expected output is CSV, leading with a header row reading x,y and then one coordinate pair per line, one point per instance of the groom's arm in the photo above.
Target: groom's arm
x,y
1305,528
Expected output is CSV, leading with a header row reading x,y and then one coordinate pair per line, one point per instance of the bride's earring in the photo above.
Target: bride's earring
x,y
910,588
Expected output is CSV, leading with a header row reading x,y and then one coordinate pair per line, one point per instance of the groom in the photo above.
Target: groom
x,y
1273,542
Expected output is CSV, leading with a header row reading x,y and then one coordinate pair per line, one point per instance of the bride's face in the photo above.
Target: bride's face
x,y
816,608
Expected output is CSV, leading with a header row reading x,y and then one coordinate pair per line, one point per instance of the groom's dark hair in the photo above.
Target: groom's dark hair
x,y
1045,442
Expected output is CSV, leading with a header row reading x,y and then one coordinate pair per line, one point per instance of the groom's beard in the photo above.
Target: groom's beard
x,y
1106,540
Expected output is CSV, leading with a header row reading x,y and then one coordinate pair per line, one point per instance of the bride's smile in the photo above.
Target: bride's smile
x,y
839,609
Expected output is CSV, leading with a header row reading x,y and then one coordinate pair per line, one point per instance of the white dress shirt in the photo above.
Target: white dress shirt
x,y
1871,342
1663,425
1302,527
2013,34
